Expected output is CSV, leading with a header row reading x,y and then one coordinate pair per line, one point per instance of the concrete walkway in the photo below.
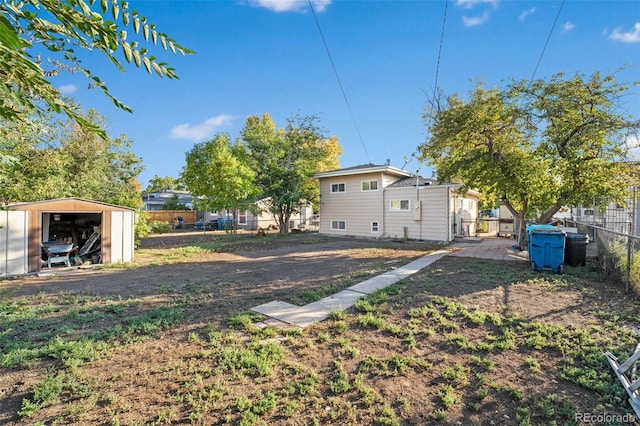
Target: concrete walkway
x,y
495,248
282,314
303,316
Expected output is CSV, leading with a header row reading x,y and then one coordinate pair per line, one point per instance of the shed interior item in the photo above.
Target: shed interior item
x,y
80,230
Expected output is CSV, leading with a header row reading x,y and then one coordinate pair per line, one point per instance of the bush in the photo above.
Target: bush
x,y
613,259
141,227
158,227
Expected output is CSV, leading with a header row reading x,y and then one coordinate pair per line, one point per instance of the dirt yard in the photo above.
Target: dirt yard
x,y
170,339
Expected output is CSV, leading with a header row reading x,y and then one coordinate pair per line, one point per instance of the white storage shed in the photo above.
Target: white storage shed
x,y
25,228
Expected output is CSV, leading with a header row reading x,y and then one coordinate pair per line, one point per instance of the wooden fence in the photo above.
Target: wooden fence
x,y
168,216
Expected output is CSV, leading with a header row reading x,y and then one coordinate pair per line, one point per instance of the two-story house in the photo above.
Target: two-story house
x,y
385,201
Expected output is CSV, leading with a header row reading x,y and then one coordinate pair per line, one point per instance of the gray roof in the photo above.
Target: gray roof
x,y
364,168
411,181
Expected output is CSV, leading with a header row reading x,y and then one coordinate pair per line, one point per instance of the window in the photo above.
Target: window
x,y
338,187
242,218
370,185
374,227
303,215
400,205
338,225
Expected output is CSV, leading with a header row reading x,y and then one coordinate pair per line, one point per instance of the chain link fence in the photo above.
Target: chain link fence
x,y
618,252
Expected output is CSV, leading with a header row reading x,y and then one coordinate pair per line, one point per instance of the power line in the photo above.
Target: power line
x,y
335,71
547,42
444,20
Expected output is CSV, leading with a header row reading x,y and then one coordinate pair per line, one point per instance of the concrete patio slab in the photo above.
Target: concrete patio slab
x,y
300,316
303,316
275,308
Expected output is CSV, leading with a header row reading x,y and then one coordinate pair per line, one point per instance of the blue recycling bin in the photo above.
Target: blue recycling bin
x,y
546,248
225,223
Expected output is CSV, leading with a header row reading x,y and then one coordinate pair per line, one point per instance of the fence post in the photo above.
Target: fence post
x,y
629,239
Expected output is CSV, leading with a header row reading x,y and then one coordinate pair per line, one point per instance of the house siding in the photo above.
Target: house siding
x,y
433,213
356,207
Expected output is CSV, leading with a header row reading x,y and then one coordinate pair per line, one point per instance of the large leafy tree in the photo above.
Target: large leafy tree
x,y
284,161
166,183
536,145
71,161
31,29
216,171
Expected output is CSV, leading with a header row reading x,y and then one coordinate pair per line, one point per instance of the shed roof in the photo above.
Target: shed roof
x,y
68,205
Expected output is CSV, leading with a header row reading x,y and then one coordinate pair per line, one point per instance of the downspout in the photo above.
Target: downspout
x,y
418,200
384,221
448,204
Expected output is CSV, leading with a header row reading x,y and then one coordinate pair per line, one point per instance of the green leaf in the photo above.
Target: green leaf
x,y
158,69
147,64
85,8
136,58
127,51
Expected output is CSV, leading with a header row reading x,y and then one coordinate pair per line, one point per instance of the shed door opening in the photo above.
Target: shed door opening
x,y
84,230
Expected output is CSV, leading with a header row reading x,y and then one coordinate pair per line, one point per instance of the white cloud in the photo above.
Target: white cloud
x,y
568,26
67,89
473,21
526,13
202,130
633,145
632,36
291,5
470,4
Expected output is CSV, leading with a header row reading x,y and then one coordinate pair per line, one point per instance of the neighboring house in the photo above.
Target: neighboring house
x,y
249,221
616,217
384,201
155,200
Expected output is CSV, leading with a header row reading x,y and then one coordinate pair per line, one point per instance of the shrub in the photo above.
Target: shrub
x,y
158,227
141,228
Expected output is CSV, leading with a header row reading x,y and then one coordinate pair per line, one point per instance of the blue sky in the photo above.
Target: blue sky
x,y
257,56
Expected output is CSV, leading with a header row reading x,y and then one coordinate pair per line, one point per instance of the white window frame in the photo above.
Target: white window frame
x,y
399,208
375,227
244,214
369,183
338,222
337,185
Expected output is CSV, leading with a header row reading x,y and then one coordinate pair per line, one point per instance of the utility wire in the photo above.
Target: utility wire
x,y
444,20
555,21
335,71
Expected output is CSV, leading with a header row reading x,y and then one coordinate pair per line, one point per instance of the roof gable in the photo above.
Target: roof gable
x,y
363,169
